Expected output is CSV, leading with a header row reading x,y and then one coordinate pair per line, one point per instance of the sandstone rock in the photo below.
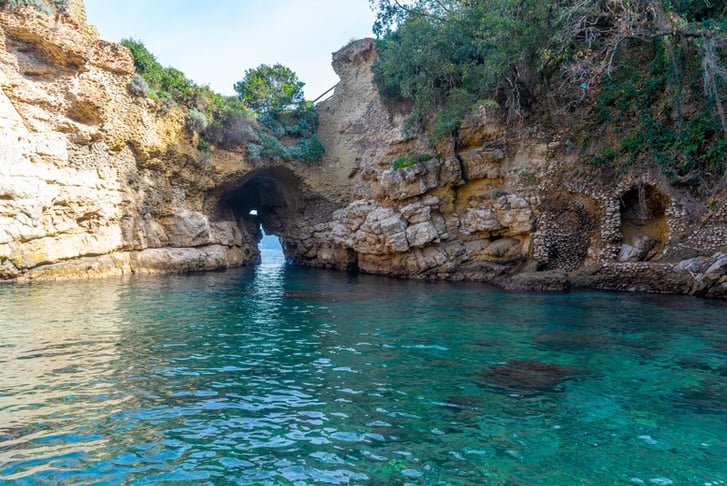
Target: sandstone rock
x,y
482,163
187,228
514,213
404,183
505,249
717,269
638,251
450,172
393,225
225,233
421,234
417,212
481,128
550,281
710,274
477,220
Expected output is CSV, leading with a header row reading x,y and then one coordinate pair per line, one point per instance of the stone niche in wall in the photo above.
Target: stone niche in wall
x,y
643,223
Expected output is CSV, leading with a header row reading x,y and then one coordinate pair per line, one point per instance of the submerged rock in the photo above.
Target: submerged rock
x,y
563,340
548,281
528,377
702,399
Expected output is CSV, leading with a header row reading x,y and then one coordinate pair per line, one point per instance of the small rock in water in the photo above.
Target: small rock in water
x,y
661,481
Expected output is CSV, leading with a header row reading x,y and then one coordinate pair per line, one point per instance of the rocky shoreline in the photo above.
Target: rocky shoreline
x,y
95,182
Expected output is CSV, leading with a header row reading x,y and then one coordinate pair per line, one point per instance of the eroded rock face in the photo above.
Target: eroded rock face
x,y
505,201
95,182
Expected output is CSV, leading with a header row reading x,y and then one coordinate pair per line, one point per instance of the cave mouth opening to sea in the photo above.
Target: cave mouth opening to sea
x,y
277,374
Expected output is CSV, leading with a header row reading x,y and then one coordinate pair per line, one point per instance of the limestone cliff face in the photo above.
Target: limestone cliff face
x,y
510,205
95,182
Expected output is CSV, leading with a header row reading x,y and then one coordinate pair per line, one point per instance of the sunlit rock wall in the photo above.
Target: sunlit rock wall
x,y
95,182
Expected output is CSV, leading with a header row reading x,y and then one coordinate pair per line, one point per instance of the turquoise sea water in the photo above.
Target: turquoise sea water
x,y
282,375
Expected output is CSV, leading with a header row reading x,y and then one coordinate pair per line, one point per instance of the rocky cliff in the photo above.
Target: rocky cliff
x,y
92,180
96,182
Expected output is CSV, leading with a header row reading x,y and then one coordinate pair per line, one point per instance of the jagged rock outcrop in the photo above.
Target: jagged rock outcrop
x,y
508,201
95,182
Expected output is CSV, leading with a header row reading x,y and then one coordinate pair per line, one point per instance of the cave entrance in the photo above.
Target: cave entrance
x,y
643,223
265,205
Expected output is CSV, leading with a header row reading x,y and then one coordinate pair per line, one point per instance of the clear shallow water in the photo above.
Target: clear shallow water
x,y
280,375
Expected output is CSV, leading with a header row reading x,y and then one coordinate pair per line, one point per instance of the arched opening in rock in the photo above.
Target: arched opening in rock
x,y
264,202
276,201
643,223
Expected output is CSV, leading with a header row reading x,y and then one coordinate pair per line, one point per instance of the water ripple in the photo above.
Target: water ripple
x,y
282,375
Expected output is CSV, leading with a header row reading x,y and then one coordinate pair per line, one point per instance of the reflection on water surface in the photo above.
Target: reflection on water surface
x,y
286,375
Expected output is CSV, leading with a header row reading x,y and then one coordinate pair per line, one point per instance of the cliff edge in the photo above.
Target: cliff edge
x,y
96,182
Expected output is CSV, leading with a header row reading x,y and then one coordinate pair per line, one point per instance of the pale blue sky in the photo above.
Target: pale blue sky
x,y
215,41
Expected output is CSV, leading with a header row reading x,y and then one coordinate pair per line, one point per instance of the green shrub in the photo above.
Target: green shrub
x,y
410,160
294,151
301,122
311,149
272,148
255,151
138,86
203,145
165,102
231,125
195,121
144,61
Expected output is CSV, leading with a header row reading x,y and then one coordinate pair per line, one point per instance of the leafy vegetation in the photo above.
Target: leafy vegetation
x,y
411,159
655,93
269,117
270,89
195,121
446,57
138,86
657,69
276,95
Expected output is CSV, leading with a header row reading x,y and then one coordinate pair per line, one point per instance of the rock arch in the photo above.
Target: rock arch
x,y
277,200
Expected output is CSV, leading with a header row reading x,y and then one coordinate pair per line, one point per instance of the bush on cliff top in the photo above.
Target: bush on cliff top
x,y
269,103
558,59
275,94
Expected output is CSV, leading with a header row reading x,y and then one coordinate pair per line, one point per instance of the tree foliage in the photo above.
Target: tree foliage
x,y
270,89
448,57
276,95
269,106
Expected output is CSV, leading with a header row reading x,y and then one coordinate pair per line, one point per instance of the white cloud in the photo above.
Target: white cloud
x,y
215,42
